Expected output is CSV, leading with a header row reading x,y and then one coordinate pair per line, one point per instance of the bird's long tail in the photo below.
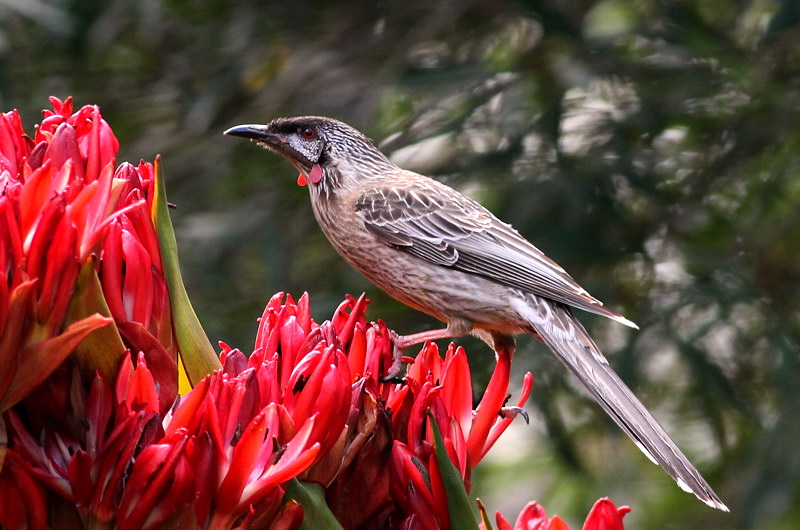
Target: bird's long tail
x,y
569,341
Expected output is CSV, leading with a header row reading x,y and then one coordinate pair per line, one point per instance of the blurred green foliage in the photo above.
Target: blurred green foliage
x,y
649,147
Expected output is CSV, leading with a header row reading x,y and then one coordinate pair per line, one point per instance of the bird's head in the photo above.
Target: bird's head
x,y
327,152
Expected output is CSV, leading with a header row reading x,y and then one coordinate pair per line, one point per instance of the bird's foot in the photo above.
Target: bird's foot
x,y
513,412
397,361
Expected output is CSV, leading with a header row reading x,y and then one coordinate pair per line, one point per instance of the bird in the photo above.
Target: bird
x,y
442,253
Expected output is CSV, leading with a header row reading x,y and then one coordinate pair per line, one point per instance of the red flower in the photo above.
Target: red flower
x,y
445,388
68,218
603,516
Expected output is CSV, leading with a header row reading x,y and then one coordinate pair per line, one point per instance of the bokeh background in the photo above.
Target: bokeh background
x,y
650,147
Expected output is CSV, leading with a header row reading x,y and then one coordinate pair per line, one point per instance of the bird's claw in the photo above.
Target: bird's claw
x,y
513,412
397,362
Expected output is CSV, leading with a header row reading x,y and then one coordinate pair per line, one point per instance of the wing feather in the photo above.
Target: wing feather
x,y
461,234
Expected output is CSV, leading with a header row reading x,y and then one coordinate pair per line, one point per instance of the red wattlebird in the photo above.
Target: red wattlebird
x,y
444,254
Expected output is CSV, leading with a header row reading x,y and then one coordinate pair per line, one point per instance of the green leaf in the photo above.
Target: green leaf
x,y
103,349
459,505
316,513
197,354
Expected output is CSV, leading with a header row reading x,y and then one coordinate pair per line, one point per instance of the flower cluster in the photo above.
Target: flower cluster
x,y
307,403
93,433
603,516
78,251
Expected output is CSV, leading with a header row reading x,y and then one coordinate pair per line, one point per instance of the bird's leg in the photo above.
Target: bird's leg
x,y
401,342
504,346
455,328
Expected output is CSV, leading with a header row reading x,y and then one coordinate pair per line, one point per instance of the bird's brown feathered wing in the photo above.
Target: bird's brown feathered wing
x,y
454,231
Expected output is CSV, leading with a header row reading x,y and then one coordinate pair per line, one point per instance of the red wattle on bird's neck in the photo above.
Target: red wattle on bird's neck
x,y
315,175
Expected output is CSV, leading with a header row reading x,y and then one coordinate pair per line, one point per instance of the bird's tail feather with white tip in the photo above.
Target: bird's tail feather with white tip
x,y
569,341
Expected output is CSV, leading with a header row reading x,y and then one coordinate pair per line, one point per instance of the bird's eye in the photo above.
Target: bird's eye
x,y
308,133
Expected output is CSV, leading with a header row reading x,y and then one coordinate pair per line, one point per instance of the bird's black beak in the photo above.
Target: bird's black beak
x,y
274,141
254,132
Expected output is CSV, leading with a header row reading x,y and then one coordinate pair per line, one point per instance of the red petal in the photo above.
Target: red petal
x,y
605,516
38,360
98,412
502,523
492,401
500,426
63,149
23,503
245,456
142,393
557,523
532,517
457,388
80,478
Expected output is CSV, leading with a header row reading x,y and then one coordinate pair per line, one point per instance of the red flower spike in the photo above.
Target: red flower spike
x,y
58,278
501,425
427,361
252,473
321,383
356,315
246,455
412,480
557,523
502,523
417,430
304,313
291,337
189,413
605,516
43,237
97,153
267,338
79,474
23,503
20,304
111,267
39,359
98,414
379,351
160,483
298,456
61,109
457,387
13,146
244,403
142,393
532,517
490,405
62,150
131,434
141,226
200,454
137,294
357,352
